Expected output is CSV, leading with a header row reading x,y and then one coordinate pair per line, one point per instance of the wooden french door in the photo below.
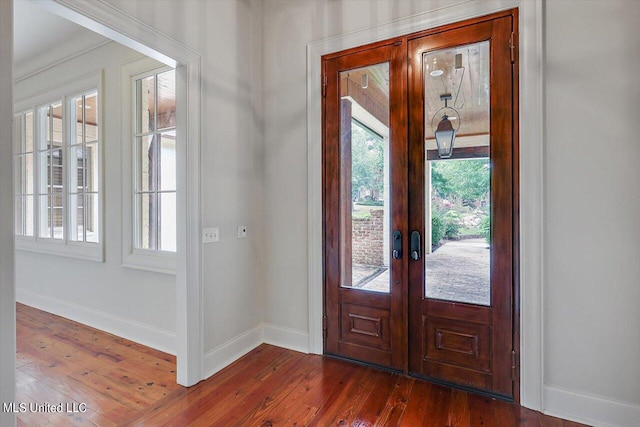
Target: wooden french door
x,y
461,300
420,242
365,132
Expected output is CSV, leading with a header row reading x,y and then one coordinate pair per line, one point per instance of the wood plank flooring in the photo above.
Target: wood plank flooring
x,y
124,383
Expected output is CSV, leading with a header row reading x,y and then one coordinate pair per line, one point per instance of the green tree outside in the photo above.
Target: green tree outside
x,y
467,180
367,160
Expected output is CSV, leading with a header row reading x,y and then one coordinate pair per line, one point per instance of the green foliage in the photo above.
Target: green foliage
x,y
485,228
368,201
467,180
451,224
437,228
439,183
367,160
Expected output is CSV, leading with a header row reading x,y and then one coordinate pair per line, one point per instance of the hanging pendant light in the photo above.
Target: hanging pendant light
x,y
445,133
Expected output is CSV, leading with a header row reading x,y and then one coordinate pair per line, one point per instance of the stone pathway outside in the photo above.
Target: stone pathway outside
x,y
456,271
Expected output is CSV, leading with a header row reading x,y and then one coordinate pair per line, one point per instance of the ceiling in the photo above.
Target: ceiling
x,y
466,82
468,87
41,38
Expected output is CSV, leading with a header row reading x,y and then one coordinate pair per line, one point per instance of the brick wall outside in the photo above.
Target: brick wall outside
x,y
367,239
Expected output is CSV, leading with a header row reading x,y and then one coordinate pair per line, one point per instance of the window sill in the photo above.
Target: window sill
x,y
157,262
83,251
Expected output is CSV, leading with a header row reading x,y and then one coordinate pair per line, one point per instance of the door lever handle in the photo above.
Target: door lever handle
x,y
397,244
415,245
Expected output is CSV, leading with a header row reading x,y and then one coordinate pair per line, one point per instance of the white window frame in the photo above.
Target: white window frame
x,y
65,93
158,261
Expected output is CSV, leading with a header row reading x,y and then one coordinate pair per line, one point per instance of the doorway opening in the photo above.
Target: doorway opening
x,y
185,297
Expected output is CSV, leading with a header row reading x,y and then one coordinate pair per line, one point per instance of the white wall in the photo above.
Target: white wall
x,y
227,34
592,202
135,304
7,289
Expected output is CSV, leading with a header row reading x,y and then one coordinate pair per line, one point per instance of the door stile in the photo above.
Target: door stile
x,y
502,206
399,186
330,196
515,150
416,198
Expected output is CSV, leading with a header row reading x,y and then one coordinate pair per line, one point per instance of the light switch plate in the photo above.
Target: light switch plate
x,y
242,232
210,235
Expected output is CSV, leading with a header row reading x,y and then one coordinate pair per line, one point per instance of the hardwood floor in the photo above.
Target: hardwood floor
x,y
60,361
124,383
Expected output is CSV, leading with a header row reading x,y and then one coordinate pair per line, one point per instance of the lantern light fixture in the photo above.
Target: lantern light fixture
x,y
445,133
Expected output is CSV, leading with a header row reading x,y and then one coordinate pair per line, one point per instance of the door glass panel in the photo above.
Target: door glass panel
x,y
364,180
457,247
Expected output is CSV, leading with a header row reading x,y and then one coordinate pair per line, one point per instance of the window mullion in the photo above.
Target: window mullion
x,y
50,177
84,168
156,163
36,173
23,172
64,194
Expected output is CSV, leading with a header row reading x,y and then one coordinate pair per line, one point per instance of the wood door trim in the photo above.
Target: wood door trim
x,y
515,152
364,48
465,23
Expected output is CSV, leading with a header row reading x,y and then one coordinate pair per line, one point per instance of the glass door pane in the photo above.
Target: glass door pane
x,y
364,180
457,249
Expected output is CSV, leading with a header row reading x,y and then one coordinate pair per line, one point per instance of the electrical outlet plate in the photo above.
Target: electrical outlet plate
x,y
210,235
242,232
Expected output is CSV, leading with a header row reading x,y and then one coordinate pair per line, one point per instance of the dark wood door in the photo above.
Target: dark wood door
x,y
365,202
420,243
461,291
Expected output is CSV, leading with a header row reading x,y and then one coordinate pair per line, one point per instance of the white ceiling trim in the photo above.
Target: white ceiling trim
x,y
20,74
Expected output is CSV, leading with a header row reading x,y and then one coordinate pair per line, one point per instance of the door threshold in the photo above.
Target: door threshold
x,y
432,380
469,389
365,364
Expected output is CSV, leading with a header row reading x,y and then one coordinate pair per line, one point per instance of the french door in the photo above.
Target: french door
x,y
365,139
420,204
461,293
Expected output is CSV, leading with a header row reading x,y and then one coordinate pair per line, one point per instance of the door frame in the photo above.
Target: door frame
x,y
528,304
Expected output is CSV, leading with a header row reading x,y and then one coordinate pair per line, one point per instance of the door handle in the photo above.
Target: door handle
x,y
415,245
397,244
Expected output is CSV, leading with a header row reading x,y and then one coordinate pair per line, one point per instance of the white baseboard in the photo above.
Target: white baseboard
x,y
291,339
227,353
591,410
138,332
